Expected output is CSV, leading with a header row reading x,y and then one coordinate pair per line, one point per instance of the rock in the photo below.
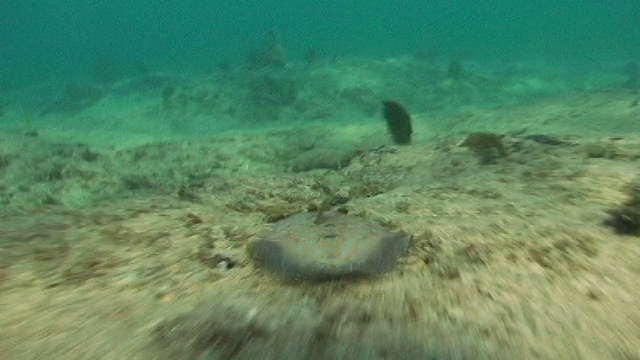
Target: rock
x,y
321,158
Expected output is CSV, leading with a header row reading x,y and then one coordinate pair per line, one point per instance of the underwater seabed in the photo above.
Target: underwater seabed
x,y
124,228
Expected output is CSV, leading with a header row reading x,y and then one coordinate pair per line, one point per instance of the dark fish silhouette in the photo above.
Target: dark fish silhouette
x,y
398,122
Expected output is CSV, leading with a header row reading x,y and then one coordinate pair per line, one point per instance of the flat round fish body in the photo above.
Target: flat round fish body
x,y
334,245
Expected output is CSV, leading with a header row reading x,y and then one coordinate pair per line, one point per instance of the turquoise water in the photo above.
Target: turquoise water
x,y
40,40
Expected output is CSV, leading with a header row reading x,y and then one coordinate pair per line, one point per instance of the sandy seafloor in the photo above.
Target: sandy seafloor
x,y
126,207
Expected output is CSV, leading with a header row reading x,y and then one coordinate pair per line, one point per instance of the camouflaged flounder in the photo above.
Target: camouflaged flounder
x,y
334,245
